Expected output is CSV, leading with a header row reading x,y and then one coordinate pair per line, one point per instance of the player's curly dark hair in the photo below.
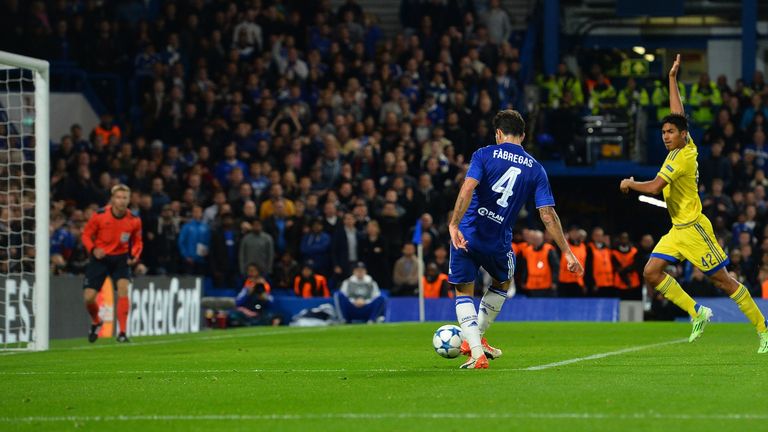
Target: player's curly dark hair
x,y
510,122
680,121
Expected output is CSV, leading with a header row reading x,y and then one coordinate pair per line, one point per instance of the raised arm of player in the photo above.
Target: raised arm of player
x,y
650,187
555,229
675,102
462,203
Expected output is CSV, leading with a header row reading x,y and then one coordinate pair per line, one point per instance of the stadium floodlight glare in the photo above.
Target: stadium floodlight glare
x,y
638,50
24,203
650,57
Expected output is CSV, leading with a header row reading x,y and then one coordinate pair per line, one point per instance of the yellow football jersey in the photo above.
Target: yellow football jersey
x,y
681,171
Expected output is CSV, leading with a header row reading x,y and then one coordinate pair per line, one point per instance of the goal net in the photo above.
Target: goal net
x,y
24,203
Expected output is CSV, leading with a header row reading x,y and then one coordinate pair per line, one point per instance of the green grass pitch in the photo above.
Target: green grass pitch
x,y
553,376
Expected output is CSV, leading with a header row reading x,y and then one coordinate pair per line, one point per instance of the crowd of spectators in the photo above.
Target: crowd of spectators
x,y
297,137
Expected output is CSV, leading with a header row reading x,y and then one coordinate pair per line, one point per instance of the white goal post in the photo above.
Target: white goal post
x,y
24,203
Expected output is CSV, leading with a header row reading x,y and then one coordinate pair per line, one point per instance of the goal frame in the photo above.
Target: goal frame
x,y
41,288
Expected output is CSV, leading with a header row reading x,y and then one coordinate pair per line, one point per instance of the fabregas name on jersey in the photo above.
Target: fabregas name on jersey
x,y
513,157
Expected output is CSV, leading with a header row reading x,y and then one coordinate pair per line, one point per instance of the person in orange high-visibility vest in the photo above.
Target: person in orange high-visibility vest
x,y
309,284
762,277
571,284
626,277
107,129
540,267
436,283
599,270
519,243
765,289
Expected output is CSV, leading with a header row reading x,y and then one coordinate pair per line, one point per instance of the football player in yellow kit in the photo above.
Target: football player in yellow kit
x,y
691,237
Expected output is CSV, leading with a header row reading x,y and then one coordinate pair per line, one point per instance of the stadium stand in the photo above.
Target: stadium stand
x,y
272,122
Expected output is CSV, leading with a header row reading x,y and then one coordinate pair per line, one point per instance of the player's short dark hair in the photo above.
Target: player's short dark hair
x,y
678,120
510,122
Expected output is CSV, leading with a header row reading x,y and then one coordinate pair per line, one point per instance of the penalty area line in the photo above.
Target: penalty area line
x,y
603,355
341,370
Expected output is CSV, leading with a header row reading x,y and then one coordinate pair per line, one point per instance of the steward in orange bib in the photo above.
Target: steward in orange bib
x,y
309,284
571,284
626,275
519,243
107,129
541,267
436,283
599,270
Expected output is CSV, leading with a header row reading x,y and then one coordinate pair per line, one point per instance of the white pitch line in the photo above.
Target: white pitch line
x,y
386,416
603,355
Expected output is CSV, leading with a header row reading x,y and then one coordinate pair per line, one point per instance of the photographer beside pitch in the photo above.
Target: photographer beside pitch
x,y
112,238
691,236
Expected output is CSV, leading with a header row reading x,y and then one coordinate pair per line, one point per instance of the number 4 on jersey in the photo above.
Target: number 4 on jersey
x,y
505,185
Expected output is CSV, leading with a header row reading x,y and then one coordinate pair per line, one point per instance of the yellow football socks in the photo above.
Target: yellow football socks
x,y
749,308
672,291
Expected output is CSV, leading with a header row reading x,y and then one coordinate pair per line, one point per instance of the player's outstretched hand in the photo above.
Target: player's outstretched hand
x,y
457,238
625,184
574,266
675,67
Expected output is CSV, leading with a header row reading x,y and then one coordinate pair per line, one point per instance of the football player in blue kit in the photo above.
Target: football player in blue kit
x,y
500,180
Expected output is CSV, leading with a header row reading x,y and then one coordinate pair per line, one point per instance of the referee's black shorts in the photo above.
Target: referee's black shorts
x,y
114,266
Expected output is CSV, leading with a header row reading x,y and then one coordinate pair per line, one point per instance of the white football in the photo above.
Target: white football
x,y
447,341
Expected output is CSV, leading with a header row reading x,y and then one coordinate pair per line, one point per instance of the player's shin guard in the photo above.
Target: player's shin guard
x,y
93,311
467,317
672,291
744,300
122,313
490,306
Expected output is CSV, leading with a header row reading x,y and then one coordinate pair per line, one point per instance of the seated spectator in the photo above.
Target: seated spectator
x,y
436,283
254,302
359,298
308,284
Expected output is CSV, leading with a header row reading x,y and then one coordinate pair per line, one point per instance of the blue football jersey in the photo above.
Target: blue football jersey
x,y
507,176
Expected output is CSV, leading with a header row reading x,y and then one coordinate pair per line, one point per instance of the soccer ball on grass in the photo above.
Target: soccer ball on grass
x,y
447,341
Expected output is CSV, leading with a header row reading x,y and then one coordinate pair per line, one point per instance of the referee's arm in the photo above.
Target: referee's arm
x,y
137,243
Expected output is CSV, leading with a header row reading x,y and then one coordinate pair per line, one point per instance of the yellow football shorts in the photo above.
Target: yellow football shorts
x,y
694,242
